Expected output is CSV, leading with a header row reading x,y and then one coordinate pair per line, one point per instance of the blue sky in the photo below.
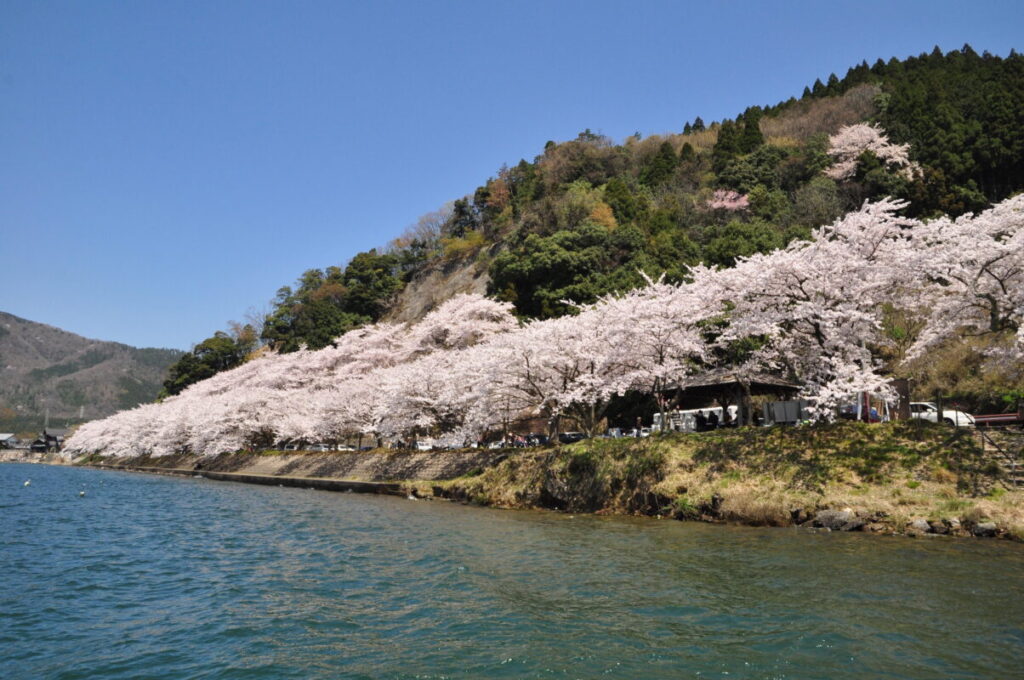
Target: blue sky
x,y
165,166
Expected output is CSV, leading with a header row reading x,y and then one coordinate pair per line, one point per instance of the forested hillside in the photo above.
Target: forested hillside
x,y
591,216
43,368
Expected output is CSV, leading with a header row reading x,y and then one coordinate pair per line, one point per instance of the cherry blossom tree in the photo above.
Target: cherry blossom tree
x,y
847,146
655,334
974,268
815,305
732,201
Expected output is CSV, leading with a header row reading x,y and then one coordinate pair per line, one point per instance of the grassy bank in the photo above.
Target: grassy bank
x,y
872,477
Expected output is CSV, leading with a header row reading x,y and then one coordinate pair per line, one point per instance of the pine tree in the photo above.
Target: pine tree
x,y
751,137
727,146
661,166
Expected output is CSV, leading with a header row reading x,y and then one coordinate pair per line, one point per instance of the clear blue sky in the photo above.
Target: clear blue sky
x,y
164,166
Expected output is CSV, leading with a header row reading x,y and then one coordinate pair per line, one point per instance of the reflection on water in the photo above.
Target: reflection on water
x,y
171,578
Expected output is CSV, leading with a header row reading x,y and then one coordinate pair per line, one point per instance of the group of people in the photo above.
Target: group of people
x,y
711,421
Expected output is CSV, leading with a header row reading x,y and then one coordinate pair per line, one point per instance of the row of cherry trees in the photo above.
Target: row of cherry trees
x,y
812,311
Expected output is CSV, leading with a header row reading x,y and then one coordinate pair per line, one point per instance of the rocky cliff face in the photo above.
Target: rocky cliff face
x,y
436,283
45,368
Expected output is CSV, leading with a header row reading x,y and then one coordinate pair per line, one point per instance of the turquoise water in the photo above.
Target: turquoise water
x,y
161,577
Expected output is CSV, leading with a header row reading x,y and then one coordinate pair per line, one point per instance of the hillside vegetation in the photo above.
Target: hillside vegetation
x,y
42,367
590,216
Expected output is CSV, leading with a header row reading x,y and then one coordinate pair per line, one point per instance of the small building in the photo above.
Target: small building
x,y
8,440
730,387
50,441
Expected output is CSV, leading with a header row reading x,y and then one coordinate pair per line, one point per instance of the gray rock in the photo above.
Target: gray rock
x,y
939,527
855,524
920,526
954,523
832,519
987,529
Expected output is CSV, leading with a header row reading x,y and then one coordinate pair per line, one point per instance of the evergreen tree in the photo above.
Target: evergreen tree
x,y
462,220
751,137
727,146
661,166
623,203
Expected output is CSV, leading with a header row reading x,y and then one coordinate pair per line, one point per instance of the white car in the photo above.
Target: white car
x,y
926,410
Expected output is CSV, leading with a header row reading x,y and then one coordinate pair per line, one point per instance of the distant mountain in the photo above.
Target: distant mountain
x,y
43,367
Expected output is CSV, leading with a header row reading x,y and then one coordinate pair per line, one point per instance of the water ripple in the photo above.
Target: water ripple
x,y
161,577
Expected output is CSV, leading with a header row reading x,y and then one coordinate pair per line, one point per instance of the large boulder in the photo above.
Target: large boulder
x,y
920,526
855,524
833,519
985,529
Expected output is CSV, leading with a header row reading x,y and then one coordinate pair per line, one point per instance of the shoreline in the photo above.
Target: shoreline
x,y
897,479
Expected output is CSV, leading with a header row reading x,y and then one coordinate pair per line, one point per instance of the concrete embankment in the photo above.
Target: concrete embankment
x,y
321,483
383,472
369,466
26,456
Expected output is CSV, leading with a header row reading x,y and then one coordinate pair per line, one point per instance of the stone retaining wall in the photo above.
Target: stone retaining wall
x,y
371,466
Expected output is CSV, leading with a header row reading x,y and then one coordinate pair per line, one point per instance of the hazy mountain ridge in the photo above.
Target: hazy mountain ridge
x,y
43,367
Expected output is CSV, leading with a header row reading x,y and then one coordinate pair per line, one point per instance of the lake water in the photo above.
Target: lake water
x,y
162,577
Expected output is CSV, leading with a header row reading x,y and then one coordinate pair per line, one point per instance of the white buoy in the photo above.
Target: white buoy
x,y
81,493
28,482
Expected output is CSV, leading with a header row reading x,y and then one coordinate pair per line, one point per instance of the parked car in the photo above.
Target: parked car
x,y
424,445
570,437
926,410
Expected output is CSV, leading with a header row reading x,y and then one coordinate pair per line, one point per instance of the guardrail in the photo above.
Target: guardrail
x,y
998,419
